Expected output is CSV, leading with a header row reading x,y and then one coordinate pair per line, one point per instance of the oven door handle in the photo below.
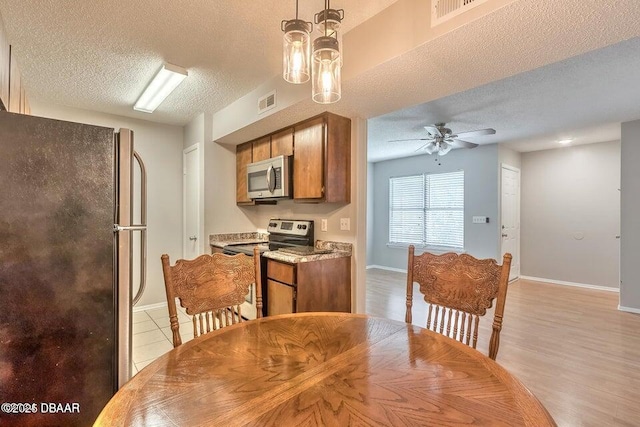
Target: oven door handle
x,y
271,183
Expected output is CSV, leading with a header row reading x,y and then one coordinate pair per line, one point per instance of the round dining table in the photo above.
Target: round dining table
x,y
323,369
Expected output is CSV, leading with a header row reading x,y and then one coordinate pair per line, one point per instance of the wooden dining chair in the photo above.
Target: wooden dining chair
x,y
459,289
211,288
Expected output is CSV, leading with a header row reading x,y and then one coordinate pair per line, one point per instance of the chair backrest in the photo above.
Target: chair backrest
x,y
459,289
211,288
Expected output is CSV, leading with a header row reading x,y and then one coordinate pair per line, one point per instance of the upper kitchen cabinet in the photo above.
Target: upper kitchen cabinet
x,y
322,160
243,158
4,69
261,149
282,143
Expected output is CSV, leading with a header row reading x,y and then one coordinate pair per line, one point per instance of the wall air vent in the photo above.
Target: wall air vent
x,y
267,102
443,10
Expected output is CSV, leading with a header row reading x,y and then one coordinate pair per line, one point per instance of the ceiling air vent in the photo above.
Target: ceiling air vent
x,y
267,102
443,10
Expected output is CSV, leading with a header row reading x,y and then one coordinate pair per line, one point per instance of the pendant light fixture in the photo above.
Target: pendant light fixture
x,y
296,49
326,60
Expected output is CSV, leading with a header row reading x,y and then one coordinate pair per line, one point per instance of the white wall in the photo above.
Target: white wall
x,y
481,196
371,167
570,214
195,133
630,212
160,146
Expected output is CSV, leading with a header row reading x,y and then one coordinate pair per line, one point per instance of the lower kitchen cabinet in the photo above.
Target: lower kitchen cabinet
x,y
323,285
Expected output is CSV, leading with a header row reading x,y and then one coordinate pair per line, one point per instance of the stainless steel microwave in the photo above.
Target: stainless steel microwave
x,y
269,179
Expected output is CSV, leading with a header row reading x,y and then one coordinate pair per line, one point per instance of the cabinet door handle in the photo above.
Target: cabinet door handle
x,y
193,238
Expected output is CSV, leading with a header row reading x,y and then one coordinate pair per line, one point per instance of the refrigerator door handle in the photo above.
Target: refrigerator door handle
x,y
142,227
117,227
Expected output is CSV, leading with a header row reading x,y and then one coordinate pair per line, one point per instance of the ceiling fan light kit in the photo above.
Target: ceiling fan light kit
x,y
325,60
441,140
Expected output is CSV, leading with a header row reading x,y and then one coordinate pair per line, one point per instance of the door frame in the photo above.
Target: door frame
x,y
517,257
185,152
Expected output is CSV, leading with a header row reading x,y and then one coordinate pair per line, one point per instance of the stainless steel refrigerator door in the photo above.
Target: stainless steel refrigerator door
x,y
123,237
57,322
123,244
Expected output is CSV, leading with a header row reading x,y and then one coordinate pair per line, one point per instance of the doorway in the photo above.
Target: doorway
x,y
510,216
191,202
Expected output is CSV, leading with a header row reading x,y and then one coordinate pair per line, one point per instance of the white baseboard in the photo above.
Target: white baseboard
x,y
383,267
149,307
629,309
578,285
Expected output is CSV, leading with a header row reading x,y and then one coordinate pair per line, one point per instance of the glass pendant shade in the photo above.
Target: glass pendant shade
x,y
328,21
296,51
327,85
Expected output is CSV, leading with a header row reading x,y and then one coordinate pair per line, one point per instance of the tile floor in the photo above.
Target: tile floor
x,y
152,334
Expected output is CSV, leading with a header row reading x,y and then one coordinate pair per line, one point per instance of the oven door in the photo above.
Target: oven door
x,y
248,308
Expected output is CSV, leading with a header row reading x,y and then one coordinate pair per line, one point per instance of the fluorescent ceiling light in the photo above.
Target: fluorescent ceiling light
x,y
565,141
164,82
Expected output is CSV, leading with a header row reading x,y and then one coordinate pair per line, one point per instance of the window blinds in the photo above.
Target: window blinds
x,y
427,210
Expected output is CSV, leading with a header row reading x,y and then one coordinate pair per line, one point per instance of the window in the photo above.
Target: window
x,y
427,210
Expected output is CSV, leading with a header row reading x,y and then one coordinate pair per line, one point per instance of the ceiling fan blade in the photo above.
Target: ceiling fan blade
x,y
412,139
433,131
428,147
472,133
458,143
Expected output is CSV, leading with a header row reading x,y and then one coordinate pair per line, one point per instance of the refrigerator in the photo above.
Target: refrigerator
x,y
66,263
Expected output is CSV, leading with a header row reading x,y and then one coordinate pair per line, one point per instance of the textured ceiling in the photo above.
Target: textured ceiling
x,y
100,55
583,98
533,70
444,79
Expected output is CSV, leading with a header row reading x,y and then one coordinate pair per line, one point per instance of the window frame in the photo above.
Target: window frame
x,y
425,209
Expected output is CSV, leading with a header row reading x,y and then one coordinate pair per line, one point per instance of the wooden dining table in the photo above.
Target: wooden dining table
x,y
323,369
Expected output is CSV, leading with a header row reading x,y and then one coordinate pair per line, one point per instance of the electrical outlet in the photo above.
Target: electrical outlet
x,y
345,224
323,224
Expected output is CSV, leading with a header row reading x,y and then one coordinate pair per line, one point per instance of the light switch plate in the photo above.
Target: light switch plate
x,y
480,219
345,224
323,224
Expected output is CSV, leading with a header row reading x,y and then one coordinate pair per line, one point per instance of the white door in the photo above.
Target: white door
x,y
510,227
191,202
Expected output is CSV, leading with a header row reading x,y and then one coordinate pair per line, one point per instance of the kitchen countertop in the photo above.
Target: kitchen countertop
x,y
222,240
338,250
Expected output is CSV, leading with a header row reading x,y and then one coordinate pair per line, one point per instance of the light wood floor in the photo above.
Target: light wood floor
x,y
570,346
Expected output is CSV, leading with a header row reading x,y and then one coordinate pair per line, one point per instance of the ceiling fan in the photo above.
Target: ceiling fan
x,y
441,140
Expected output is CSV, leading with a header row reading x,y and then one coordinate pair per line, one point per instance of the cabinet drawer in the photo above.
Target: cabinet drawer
x,y
281,272
281,298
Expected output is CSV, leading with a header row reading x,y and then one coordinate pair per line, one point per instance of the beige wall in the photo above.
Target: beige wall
x,y
160,146
570,214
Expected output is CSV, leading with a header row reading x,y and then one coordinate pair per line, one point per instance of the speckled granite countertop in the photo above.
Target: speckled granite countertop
x,y
338,250
222,240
